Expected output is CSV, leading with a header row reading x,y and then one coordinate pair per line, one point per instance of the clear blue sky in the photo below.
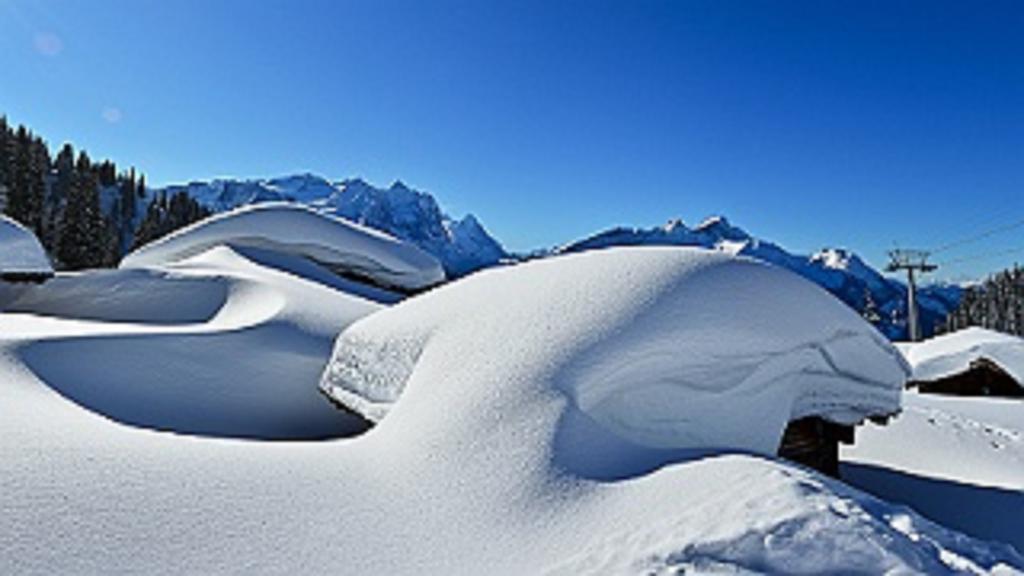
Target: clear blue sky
x,y
810,123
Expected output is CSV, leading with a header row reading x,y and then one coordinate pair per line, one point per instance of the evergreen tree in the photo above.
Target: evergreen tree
x,y
25,197
62,200
167,214
5,161
870,311
996,304
84,236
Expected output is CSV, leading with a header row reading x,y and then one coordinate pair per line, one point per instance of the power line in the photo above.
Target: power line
x,y
980,236
982,256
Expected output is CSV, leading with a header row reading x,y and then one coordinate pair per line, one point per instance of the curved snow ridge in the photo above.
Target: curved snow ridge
x,y
242,361
666,348
954,353
342,246
20,250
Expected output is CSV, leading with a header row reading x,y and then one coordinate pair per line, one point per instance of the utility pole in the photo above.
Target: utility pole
x,y
911,261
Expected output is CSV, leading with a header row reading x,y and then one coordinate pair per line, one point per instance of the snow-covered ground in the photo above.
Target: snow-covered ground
x,y
499,456
958,461
215,344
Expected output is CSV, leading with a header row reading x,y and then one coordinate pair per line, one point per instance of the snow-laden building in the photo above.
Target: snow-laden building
x,y
23,260
653,350
969,362
286,235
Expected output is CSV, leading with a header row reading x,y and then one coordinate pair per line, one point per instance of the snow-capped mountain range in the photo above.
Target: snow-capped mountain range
x,y
463,245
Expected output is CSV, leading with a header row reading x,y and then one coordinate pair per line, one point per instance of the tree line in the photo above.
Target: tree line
x,y
996,304
86,214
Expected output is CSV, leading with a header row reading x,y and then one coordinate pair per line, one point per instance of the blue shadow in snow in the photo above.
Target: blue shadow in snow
x,y
987,513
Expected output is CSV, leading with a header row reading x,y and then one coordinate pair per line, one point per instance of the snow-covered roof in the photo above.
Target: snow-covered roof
x,y
665,347
951,354
343,246
21,254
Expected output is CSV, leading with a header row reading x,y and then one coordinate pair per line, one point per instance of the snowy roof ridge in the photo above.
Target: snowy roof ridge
x,y
290,228
21,253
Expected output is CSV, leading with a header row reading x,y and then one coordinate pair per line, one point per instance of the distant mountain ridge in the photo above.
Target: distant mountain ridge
x,y
464,245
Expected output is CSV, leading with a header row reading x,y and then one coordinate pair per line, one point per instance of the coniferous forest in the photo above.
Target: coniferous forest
x,y
996,304
87,213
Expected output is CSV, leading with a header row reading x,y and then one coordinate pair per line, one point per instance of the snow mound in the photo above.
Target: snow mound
x,y
344,247
664,348
478,466
952,354
20,251
212,345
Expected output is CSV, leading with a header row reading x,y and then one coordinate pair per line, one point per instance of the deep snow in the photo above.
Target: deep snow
x,y
479,469
953,353
957,460
292,229
214,344
20,250
21,256
666,348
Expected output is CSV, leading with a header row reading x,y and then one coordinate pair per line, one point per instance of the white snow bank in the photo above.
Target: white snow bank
x,y
20,250
666,348
471,471
212,345
951,354
957,460
291,229
22,259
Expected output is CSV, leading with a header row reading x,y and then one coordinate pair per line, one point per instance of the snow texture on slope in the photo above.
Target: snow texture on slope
x,y
20,250
475,469
957,460
214,345
839,271
951,354
291,229
462,246
666,348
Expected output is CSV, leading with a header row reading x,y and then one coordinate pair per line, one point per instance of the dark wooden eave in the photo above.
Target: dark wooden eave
x,y
25,277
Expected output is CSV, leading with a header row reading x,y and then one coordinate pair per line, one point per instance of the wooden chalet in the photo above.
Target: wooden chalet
x,y
983,378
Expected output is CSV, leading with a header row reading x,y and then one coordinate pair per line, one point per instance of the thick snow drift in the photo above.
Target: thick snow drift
x,y
666,348
20,251
479,467
957,460
291,229
214,345
22,260
954,353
